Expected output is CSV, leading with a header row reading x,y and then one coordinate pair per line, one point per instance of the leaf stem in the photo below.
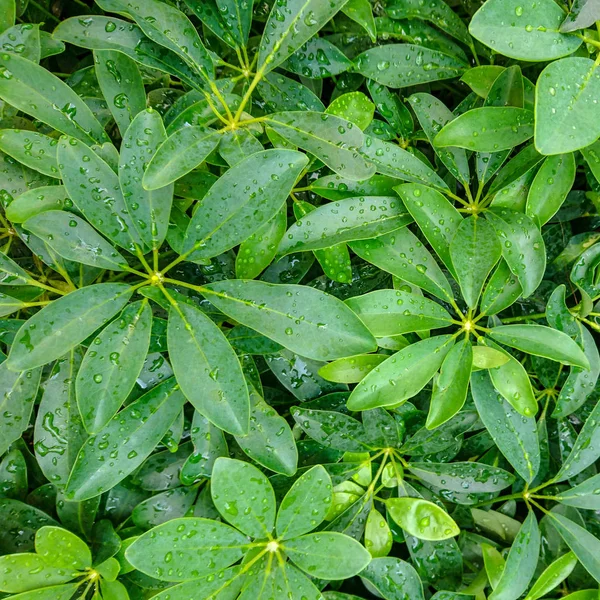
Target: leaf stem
x,y
524,318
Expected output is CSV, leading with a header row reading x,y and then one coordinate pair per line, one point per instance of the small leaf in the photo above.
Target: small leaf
x,y
583,495
552,576
63,549
351,369
488,358
35,150
389,575
422,519
36,201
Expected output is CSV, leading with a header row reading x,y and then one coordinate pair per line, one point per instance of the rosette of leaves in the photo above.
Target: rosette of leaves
x,y
301,300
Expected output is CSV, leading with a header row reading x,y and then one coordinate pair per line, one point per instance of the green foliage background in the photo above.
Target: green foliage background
x,y
299,299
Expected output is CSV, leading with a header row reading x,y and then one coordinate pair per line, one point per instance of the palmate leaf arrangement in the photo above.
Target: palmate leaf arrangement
x,y
303,298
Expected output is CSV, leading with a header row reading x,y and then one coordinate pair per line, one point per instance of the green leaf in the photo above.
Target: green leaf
x,y
17,576
332,429
403,255
552,576
584,544
256,252
502,290
494,564
523,31
207,369
8,14
583,495
354,107
480,79
422,519
270,441
73,239
306,504
564,102
474,251
392,160
361,12
124,443
541,341
226,584
390,575
64,323
17,392
63,549
244,497
121,85
468,477
392,312
35,91
181,152
583,13
333,140
112,365
305,320
522,246
402,375
450,388
38,200
405,65
378,536
94,188
242,201
488,129
319,555
515,435
586,449
550,187
290,26
149,210
186,548
512,382
585,269
168,27
59,432
352,369
520,563
330,62
35,150
344,221
53,592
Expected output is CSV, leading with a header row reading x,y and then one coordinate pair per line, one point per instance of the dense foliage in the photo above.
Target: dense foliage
x,y
299,299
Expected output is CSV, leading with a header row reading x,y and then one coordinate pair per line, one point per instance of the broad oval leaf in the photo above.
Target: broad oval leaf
x,y
389,575
35,150
422,519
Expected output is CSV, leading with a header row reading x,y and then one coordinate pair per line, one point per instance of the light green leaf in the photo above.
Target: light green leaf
x,y
53,592
243,496
450,388
303,319
354,107
226,584
63,549
583,495
405,65
306,504
522,246
502,290
552,576
523,31
378,536
494,564
541,341
17,576
550,187
515,435
474,251
207,369
37,200
351,369
35,150
422,519
334,140
290,26
17,395
361,12
186,548
331,60
242,201
402,375
319,555
73,239
270,441
392,312
402,254
181,152
35,91
94,188
59,432
112,365
64,323
584,544
149,210
488,358
488,129
566,114
125,442
121,85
